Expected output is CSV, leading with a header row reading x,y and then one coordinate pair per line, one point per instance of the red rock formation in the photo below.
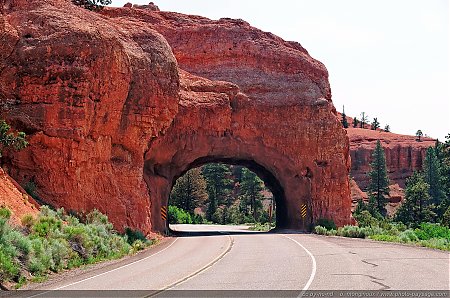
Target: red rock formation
x,y
13,197
113,120
404,154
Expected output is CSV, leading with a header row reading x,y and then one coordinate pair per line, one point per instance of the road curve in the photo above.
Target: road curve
x,y
234,259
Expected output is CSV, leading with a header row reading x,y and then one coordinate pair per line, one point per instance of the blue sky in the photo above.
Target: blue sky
x,y
387,58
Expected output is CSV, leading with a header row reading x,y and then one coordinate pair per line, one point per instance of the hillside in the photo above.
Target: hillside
x,y
13,197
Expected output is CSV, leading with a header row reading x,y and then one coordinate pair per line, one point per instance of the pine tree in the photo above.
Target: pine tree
x,y
379,181
189,191
9,139
251,187
219,186
432,175
360,207
417,207
375,124
364,118
387,128
419,134
344,118
355,122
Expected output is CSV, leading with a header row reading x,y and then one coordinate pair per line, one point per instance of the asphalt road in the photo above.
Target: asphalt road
x,y
235,259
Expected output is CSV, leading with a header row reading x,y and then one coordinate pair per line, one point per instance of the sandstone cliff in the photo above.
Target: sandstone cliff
x,y
119,104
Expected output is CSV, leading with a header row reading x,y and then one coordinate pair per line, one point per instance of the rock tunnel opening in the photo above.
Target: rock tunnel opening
x,y
269,181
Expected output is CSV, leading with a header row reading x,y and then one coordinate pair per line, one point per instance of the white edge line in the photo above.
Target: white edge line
x,y
112,270
314,266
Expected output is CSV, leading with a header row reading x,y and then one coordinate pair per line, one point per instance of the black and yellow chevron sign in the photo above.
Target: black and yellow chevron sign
x,y
303,210
164,213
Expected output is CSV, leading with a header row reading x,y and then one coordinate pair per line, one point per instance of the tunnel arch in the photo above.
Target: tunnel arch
x,y
278,176
269,179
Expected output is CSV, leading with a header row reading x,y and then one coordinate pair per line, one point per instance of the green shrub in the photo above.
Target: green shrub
x,y
28,221
383,237
5,213
134,235
408,236
320,230
57,241
354,231
436,243
332,232
365,219
261,227
198,219
428,231
138,245
326,223
178,216
9,269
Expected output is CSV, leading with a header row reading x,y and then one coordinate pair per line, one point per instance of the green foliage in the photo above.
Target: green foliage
x,y
320,230
8,139
135,235
446,218
419,134
384,237
326,223
251,187
381,229
387,128
13,248
363,122
5,213
262,227
432,175
379,182
427,231
375,124
189,191
178,216
355,122
57,241
408,236
219,186
28,221
416,208
344,119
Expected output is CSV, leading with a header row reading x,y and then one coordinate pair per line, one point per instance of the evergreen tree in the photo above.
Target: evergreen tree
x,y
360,207
219,186
446,218
374,209
344,118
251,187
355,122
379,181
419,134
387,128
432,175
189,191
9,139
375,124
364,118
416,208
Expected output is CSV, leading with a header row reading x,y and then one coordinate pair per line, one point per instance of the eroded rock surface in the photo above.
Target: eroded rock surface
x,y
115,116
404,154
